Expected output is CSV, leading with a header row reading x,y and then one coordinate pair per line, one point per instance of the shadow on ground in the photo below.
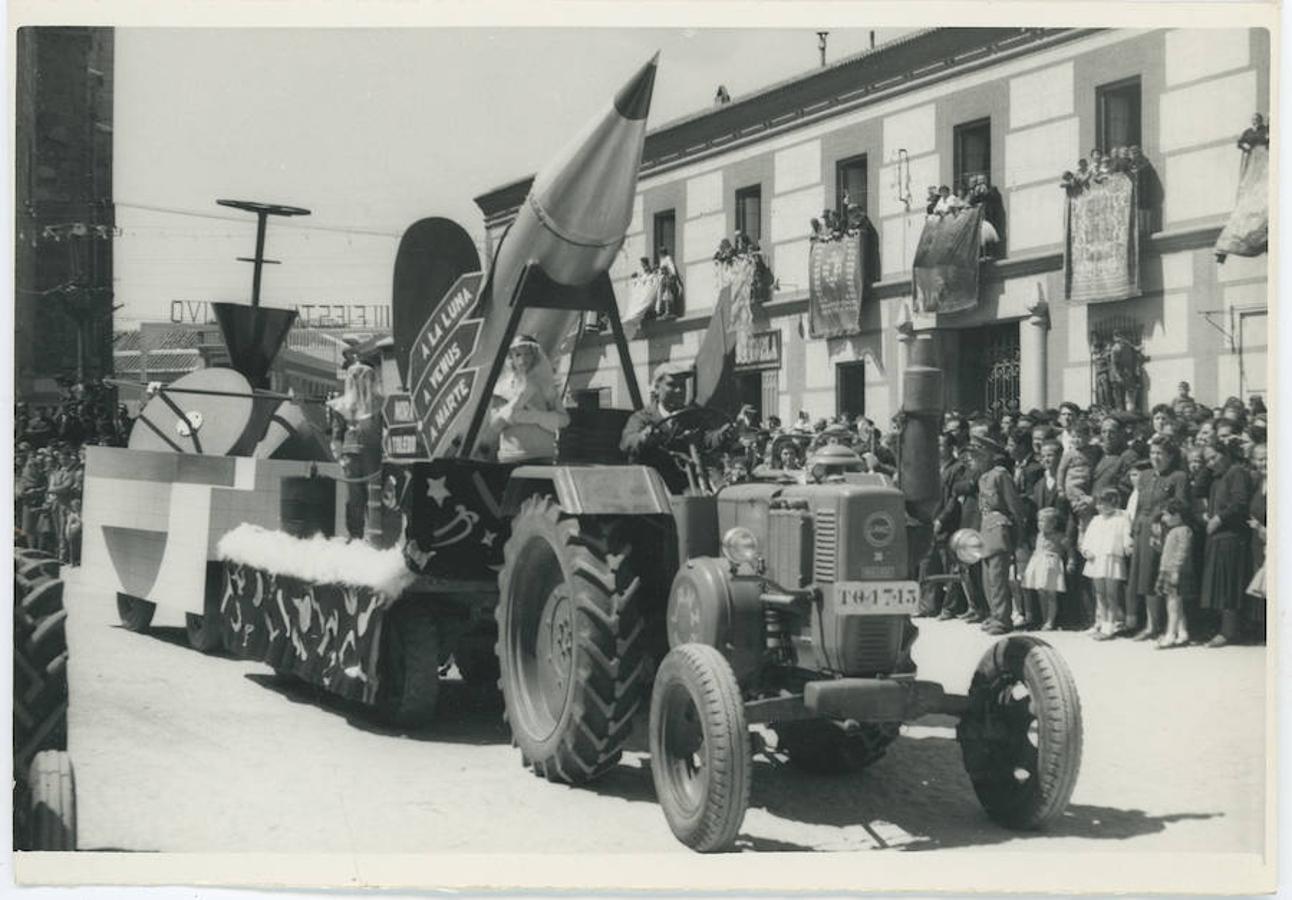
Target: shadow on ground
x,y
465,714
919,791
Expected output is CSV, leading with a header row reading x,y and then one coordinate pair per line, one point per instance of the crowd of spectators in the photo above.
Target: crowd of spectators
x,y
973,191
833,226
1096,168
1150,528
49,463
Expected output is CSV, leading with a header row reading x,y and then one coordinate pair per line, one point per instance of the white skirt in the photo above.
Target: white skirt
x,y
1111,566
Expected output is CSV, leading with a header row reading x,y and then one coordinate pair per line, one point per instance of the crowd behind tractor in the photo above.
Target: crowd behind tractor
x,y
1186,467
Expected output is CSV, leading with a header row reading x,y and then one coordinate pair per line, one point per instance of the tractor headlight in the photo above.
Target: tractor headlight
x,y
740,546
966,544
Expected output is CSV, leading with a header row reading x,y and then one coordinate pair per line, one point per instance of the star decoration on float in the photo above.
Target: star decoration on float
x,y
488,539
436,490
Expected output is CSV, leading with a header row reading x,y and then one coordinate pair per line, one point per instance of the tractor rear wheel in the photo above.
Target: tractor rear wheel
x,y
51,815
823,747
1021,736
43,798
700,756
135,613
571,640
409,666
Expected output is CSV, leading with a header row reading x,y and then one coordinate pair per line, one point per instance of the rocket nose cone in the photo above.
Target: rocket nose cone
x,y
633,99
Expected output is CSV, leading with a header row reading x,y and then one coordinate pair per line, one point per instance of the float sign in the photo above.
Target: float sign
x,y
437,368
402,442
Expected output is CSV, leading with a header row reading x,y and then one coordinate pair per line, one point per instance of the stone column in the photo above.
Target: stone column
x,y
1033,338
905,329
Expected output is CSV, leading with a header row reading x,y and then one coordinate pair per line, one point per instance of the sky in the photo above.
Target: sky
x,y
372,130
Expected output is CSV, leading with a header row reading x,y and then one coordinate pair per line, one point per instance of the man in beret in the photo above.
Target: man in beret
x,y
1003,519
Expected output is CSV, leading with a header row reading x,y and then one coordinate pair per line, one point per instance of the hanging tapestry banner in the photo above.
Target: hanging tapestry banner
x,y
1247,231
1101,242
945,273
836,280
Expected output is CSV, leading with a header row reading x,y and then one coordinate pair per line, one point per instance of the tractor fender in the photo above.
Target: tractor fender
x,y
709,605
591,490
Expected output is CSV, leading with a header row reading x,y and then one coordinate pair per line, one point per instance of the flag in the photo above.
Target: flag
x,y
945,272
730,325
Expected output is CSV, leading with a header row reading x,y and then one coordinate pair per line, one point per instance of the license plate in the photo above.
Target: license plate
x,y
876,598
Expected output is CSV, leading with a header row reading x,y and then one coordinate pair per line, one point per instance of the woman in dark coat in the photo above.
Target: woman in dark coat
x,y
1164,481
1256,520
1225,572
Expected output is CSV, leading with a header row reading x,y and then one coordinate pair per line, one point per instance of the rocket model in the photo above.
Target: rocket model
x,y
553,260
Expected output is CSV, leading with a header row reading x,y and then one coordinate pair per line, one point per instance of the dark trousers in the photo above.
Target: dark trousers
x,y
995,583
934,562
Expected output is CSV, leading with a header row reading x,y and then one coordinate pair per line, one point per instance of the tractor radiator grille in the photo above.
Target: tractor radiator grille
x,y
871,644
826,548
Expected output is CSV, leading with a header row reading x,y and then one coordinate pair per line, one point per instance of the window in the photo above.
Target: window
x,y
749,211
850,183
972,151
666,234
1118,114
850,388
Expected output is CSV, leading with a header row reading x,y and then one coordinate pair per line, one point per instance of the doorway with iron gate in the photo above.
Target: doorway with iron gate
x,y
987,377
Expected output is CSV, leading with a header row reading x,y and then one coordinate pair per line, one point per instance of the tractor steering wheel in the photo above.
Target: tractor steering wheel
x,y
677,431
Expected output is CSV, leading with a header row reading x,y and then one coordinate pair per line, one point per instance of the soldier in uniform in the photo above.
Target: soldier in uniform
x,y
1003,517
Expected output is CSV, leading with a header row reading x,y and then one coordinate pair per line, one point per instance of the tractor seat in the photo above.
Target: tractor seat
x,y
593,436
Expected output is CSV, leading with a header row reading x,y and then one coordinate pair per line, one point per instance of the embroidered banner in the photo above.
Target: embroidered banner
x,y
325,634
836,281
945,272
1101,247
1247,231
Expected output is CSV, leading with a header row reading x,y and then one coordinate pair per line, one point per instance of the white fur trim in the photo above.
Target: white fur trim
x,y
319,560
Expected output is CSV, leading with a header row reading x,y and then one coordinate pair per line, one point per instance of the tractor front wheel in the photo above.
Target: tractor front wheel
x,y
571,640
1021,736
700,756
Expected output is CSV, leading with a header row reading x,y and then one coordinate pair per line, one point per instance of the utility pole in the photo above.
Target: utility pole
x,y
820,43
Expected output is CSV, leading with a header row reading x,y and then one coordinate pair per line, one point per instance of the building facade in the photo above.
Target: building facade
x,y
64,215
1017,105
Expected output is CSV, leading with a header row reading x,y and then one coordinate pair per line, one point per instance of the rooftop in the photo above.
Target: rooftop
x,y
901,65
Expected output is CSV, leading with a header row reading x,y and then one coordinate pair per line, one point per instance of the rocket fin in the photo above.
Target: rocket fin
x,y
432,254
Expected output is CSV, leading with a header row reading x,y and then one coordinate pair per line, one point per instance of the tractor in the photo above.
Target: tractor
x,y
785,601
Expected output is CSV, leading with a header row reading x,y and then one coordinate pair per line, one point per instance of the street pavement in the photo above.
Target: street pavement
x,y
176,751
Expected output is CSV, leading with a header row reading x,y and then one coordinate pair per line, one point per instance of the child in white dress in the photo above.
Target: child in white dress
x,y
1044,572
1107,546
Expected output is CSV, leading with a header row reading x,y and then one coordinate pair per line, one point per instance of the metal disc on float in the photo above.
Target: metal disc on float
x,y
208,421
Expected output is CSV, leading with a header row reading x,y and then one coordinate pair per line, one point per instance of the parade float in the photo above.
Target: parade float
x,y
591,593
